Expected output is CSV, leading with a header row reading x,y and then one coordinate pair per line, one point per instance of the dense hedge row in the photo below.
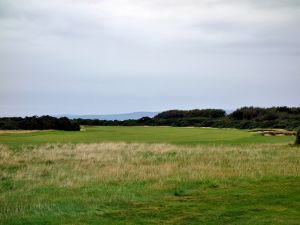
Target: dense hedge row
x,y
174,114
243,118
38,123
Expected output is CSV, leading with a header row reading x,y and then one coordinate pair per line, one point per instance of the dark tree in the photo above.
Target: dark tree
x,y
38,123
208,113
298,137
243,118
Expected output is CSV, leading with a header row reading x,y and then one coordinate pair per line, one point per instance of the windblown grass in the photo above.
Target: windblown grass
x,y
121,183
106,162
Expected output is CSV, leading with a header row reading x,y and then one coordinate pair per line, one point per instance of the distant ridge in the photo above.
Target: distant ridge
x,y
229,111
122,116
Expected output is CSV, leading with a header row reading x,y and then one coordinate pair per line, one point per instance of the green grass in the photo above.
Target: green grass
x,y
173,135
118,183
122,175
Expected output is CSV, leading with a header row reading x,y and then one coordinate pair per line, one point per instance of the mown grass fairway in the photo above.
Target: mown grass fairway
x,y
172,135
148,175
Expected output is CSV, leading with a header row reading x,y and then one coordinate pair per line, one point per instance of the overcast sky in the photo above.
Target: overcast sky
x,y
116,56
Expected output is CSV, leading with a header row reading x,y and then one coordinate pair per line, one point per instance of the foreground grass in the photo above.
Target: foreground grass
x,y
119,183
172,135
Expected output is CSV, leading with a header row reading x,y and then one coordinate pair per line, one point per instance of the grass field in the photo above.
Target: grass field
x,y
172,135
100,176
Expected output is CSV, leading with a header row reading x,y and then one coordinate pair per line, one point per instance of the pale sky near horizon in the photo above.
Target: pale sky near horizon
x,y
116,56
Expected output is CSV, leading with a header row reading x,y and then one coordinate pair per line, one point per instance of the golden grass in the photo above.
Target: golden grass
x,y
79,164
20,131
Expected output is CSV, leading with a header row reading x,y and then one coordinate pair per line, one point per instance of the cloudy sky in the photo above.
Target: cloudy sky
x,y
116,56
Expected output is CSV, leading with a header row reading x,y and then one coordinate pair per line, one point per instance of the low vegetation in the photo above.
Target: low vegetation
x,y
119,183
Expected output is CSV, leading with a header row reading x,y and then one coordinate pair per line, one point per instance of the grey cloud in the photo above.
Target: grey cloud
x,y
275,3
192,21
128,55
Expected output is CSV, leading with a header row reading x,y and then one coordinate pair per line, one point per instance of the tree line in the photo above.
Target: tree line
x,y
38,123
242,118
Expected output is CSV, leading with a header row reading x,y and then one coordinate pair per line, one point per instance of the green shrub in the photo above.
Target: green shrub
x,y
298,137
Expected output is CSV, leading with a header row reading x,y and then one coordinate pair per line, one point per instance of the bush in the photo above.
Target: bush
x,y
298,137
176,114
38,123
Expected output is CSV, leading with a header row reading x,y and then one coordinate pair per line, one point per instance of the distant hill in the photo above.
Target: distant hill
x,y
123,116
229,111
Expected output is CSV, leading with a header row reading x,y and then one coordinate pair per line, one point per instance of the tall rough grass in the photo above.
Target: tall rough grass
x,y
111,182
76,165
